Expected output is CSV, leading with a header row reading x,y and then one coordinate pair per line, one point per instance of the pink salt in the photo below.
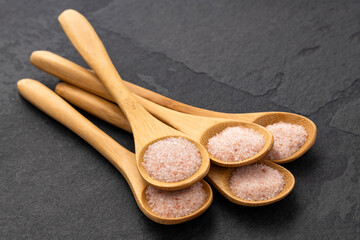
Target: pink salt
x,y
236,144
174,204
171,159
288,138
256,182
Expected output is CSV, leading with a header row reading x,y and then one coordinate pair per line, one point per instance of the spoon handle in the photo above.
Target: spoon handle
x,y
83,78
69,72
57,108
88,44
97,106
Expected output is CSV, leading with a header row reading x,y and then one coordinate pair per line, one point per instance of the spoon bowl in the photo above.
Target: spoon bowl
x,y
219,127
217,176
268,118
146,128
146,209
85,79
57,108
203,168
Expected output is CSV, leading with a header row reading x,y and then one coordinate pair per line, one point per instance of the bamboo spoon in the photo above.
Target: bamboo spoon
x,y
145,127
86,79
54,106
203,128
217,176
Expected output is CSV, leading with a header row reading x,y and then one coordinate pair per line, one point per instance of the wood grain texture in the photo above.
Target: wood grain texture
x,y
54,106
146,129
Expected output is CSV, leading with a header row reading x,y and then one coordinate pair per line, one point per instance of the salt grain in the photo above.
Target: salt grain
x,y
288,138
171,159
256,182
236,144
174,204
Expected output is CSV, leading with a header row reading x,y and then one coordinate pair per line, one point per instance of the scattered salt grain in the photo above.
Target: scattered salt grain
x,y
174,204
256,182
236,144
288,138
171,159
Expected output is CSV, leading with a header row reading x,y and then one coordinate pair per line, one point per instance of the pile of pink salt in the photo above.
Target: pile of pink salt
x,y
171,159
256,182
175,204
235,144
288,138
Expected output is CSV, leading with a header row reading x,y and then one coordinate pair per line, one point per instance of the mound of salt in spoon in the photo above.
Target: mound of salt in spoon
x,y
288,138
172,159
175,204
256,182
235,144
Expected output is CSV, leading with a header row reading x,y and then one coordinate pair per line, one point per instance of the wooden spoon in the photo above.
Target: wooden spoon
x,y
54,106
146,129
217,176
203,128
86,79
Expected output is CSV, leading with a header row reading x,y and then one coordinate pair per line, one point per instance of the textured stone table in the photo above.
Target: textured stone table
x,y
231,56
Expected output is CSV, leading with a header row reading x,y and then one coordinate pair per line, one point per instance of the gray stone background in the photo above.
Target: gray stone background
x,y
231,56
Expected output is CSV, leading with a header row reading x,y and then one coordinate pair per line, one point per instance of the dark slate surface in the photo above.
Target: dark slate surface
x,y
232,56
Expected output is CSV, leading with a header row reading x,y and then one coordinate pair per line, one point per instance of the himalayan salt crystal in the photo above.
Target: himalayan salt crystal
x,y
256,182
175,204
235,144
171,159
288,138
